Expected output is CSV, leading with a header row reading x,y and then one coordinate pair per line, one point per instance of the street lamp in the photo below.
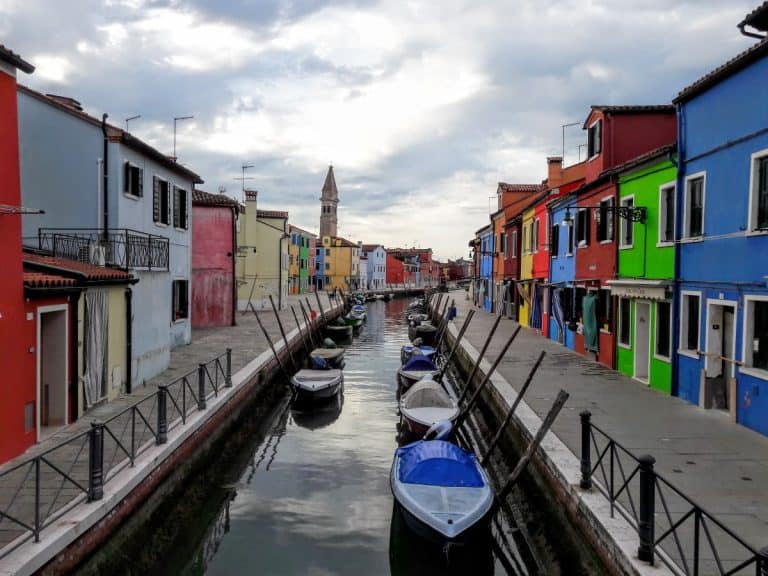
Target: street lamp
x,y
631,213
175,120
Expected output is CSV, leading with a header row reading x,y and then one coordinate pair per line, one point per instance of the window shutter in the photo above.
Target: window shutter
x,y
176,214
185,204
127,177
598,137
156,199
140,173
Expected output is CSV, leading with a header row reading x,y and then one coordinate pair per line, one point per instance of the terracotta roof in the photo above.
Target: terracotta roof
x,y
9,56
81,270
114,133
634,108
200,198
344,242
757,19
271,214
752,54
504,187
41,280
302,231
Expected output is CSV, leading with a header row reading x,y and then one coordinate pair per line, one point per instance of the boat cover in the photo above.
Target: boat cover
x,y
419,363
438,463
358,308
426,350
319,363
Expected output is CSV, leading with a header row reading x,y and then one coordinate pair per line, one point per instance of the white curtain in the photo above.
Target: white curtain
x,y
96,334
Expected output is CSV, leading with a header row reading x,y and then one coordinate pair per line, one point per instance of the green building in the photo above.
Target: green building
x,y
646,266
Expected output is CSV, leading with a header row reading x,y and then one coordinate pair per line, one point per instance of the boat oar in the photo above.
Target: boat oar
x,y
480,356
272,347
511,412
456,344
473,399
522,464
301,332
282,332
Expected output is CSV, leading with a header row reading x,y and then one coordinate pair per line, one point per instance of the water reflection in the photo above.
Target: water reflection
x,y
318,415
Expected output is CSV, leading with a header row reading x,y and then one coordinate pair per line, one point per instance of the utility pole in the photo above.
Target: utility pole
x,y
175,120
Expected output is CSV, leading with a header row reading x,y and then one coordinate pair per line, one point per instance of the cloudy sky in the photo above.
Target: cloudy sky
x,y
421,106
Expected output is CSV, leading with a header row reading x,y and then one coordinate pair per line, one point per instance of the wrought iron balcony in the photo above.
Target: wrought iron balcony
x,y
118,247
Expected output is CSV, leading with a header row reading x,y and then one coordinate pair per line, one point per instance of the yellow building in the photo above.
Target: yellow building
x,y
262,266
338,261
530,247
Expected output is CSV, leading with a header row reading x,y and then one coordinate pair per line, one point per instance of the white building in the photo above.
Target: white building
x,y
132,215
376,266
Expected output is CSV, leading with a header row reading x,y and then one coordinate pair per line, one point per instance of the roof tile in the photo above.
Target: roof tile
x,y
88,272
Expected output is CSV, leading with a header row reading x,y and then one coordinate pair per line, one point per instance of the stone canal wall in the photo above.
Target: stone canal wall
x,y
574,515
79,532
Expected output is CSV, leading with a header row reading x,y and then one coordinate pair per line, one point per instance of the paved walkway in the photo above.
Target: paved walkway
x,y
17,488
722,466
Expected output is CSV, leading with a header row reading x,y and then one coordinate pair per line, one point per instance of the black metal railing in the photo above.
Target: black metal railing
x,y
118,247
39,490
670,526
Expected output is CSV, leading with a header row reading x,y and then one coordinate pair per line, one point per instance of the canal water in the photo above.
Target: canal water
x,y
309,494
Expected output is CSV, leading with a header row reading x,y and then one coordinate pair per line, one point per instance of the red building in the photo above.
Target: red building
x,y
395,271
214,246
16,401
615,134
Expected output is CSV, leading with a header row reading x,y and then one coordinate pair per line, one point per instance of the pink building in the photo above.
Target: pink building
x,y
214,246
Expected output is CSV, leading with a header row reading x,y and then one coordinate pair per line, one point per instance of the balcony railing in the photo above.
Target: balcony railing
x,y
118,247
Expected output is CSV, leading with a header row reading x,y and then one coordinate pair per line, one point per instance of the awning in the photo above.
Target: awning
x,y
646,289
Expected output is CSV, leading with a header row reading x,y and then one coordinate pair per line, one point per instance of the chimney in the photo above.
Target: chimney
x,y
554,171
250,195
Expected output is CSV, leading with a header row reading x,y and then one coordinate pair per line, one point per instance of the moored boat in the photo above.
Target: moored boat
x,y
426,331
424,404
333,356
338,331
409,349
416,368
315,385
354,321
442,489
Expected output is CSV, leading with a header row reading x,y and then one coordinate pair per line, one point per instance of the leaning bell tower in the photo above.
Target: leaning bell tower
x,y
329,202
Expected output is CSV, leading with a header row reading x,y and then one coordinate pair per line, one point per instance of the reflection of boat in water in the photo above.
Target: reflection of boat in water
x,y
411,555
318,416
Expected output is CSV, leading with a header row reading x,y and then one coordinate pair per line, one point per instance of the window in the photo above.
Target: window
x,y
327,251
180,300
582,227
503,243
535,235
758,199
554,240
569,247
161,201
317,265
605,224
694,206
604,312
663,327
689,323
667,214
626,225
547,230
624,321
327,265
180,219
133,180
594,139
514,243
756,333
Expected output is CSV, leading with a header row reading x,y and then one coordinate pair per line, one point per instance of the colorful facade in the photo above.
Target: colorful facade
x,y
214,249
340,261
721,311
299,277
376,272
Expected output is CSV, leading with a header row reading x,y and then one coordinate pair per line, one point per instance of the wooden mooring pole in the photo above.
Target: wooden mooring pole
x,y
272,347
320,306
282,332
301,332
480,356
456,344
444,326
522,464
307,323
511,412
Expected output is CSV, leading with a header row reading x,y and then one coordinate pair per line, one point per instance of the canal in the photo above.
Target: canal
x,y
307,492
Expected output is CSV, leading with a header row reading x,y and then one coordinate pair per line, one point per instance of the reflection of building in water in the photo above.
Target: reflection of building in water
x,y
215,534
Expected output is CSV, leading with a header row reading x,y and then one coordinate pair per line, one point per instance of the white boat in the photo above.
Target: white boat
x,y
317,384
424,404
417,367
333,356
442,489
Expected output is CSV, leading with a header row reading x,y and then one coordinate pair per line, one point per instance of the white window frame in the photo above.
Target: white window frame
x,y
656,329
752,228
683,327
514,243
687,207
576,240
610,213
663,214
624,222
570,238
619,343
748,336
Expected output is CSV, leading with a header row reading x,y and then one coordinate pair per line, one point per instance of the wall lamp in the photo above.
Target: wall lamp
x,y
631,213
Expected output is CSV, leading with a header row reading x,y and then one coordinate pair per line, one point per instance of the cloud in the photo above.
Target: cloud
x,y
422,106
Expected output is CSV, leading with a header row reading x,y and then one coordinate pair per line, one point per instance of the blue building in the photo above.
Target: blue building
x,y
721,308
562,272
484,284
320,278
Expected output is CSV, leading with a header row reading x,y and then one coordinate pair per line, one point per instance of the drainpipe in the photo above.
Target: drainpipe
x,y
128,339
679,192
74,371
105,177
235,211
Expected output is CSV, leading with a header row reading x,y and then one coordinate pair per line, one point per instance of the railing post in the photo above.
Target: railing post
x,y
162,415
201,387
586,456
762,555
228,376
37,499
96,462
646,524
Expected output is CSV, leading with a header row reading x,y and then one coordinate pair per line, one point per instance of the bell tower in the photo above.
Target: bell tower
x,y
329,202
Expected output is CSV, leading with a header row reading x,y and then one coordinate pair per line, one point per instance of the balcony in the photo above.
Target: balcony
x,y
117,248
